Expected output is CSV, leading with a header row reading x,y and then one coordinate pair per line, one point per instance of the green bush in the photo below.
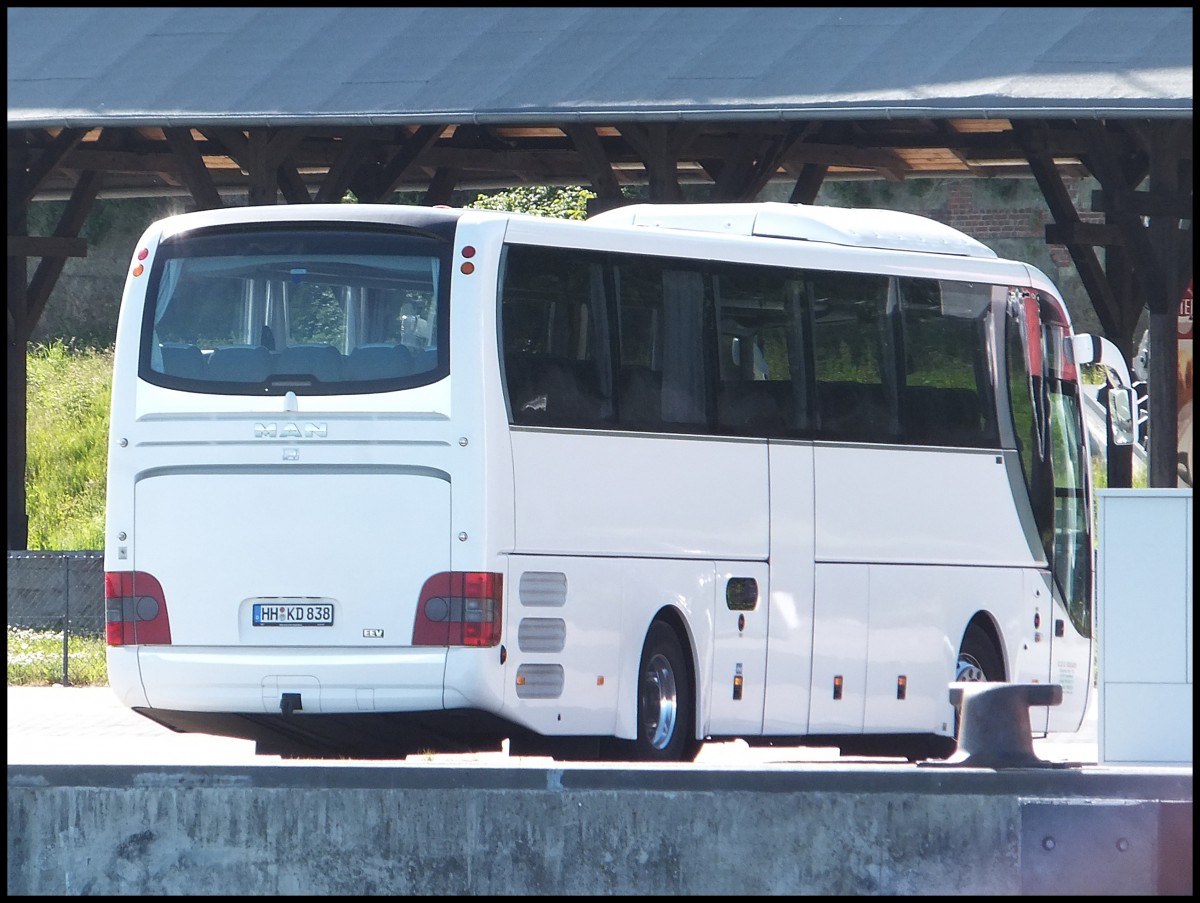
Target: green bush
x,y
67,446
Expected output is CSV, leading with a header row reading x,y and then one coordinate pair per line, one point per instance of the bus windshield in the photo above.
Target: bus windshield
x,y
1071,563
312,311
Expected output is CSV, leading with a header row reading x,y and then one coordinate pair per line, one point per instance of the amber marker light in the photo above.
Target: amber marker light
x,y
467,268
138,270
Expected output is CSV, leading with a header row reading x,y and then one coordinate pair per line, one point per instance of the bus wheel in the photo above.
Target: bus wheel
x,y
977,657
666,705
978,660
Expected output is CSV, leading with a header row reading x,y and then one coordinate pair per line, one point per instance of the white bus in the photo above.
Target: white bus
x,y
387,479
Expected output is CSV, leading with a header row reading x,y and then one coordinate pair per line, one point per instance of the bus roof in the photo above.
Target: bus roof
x,y
860,228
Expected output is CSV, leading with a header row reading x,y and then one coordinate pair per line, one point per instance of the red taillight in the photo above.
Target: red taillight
x,y
135,609
459,608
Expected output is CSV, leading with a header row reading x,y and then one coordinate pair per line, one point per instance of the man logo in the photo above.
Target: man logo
x,y
291,431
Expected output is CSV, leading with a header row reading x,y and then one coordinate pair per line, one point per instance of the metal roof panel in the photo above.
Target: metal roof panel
x,y
344,66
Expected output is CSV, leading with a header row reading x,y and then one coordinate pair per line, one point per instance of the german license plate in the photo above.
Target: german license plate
x,y
292,614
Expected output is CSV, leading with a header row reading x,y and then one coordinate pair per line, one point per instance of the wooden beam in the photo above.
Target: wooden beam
x,y
72,219
754,160
16,357
886,162
191,165
291,185
281,144
1108,168
1062,208
658,146
46,246
264,155
415,145
441,187
341,171
1168,175
122,161
1081,233
42,163
595,161
264,177
811,176
808,183
777,148
1143,203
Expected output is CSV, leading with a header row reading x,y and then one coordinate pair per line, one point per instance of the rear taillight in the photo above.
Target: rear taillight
x,y
459,608
135,610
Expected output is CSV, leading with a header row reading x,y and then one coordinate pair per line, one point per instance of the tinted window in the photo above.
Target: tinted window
x,y
762,315
664,315
947,394
624,341
555,337
308,310
851,336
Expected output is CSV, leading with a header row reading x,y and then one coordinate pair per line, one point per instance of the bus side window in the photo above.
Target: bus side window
x,y
947,396
762,315
641,397
554,321
640,384
847,330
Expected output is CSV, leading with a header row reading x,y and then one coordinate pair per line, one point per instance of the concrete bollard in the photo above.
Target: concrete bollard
x,y
994,723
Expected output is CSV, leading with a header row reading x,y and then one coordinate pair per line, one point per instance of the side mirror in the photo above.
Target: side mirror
x,y
1094,349
1122,403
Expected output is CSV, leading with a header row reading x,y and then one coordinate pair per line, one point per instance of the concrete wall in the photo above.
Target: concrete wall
x,y
414,829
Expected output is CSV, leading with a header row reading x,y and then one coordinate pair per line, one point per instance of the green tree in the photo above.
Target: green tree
x,y
564,203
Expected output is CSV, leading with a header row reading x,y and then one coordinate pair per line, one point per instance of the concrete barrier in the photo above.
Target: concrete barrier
x,y
415,829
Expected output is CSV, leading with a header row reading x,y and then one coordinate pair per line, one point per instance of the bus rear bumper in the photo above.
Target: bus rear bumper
x,y
362,735
124,676
296,681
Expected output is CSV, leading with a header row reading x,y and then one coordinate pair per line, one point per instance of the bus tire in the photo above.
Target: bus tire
x,y
666,701
978,660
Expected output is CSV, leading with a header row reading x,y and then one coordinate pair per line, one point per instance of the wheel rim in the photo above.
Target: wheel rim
x,y
969,669
660,701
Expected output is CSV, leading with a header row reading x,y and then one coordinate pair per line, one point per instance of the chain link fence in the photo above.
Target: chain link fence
x,y
59,592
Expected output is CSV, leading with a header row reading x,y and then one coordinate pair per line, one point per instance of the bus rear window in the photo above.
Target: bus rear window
x,y
316,311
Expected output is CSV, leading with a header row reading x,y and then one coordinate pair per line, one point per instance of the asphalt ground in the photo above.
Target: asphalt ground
x,y
89,726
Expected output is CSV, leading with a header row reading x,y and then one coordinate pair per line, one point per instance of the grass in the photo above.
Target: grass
x,y
35,659
66,459
67,446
